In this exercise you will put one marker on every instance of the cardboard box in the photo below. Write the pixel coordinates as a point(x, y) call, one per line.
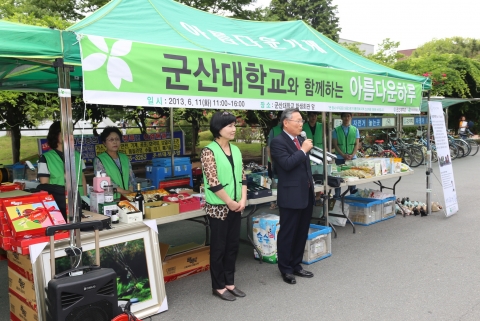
point(155, 210)
point(21, 310)
point(95, 200)
point(22, 287)
point(184, 260)
point(24, 268)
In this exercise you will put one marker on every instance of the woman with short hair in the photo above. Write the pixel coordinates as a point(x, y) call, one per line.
point(226, 197)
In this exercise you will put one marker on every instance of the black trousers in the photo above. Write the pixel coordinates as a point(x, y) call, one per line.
point(224, 245)
point(292, 237)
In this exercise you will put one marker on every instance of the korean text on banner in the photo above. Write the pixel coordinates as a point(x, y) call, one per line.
point(444, 159)
point(122, 72)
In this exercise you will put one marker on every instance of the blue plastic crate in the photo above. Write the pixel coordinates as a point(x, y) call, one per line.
point(167, 161)
point(364, 212)
point(159, 173)
point(388, 208)
point(319, 244)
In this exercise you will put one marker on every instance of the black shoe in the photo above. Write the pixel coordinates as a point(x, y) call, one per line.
point(227, 296)
point(304, 274)
point(353, 191)
point(289, 278)
point(237, 292)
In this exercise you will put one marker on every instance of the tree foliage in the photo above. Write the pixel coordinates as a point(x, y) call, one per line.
point(465, 47)
point(234, 8)
point(64, 11)
point(386, 54)
point(452, 75)
point(320, 14)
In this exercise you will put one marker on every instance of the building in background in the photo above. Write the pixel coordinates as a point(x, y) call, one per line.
point(368, 49)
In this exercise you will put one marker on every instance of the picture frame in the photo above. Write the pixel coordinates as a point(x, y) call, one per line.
point(119, 237)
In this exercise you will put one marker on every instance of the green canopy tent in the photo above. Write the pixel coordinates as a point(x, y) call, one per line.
point(130, 51)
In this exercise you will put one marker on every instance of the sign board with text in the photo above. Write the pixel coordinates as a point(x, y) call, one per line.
point(122, 72)
point(137, 147)
point(444, 158)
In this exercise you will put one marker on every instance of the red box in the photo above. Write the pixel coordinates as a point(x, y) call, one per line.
point(187, 204)
point(6, 243)
point(174, 183)
point(8, 187)
point(22, 246)
point(52, 207)
point(27, 216)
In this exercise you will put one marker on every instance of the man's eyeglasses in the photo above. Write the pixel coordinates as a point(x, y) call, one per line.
point(111, 140)
point(298, 121)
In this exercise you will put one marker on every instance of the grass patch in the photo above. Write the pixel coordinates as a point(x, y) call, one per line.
point(28, 149)
point(252, 150)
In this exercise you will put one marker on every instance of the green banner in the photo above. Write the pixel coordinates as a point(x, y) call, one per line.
point(121, 72)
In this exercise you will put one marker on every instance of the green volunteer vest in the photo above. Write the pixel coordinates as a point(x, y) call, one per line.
point(56, 167)
point(276, 131)
point(346, 143)
point(228, 178)
point(121, 178)
point(317, 138)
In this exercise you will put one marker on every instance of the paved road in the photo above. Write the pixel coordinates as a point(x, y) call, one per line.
point(412, 268)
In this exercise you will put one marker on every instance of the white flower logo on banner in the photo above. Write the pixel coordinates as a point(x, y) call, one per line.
point(117, 69)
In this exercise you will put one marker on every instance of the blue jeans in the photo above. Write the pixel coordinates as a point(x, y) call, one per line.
point(338, 190)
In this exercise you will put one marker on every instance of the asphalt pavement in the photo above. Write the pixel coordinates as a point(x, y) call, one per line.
point(405, 268)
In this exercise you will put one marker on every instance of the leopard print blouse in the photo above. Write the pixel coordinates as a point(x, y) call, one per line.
point(210, 171)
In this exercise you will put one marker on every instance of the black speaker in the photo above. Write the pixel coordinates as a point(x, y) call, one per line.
point(88, 297)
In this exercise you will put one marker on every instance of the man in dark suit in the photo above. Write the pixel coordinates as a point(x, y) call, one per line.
point(295, 194)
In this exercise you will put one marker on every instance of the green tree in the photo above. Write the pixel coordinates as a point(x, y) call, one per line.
point(386, 54)
point(235, 8)
point(68, 11)
point(320, 14)
point(465, 47)
point(19, 110)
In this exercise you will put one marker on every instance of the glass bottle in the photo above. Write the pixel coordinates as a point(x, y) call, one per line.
point(140, 200)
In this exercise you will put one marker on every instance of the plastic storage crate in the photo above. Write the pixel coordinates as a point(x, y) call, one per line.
point(388, 208)
point(364, 212)
point(167, 161)
point(319, 244)
point(159, 173)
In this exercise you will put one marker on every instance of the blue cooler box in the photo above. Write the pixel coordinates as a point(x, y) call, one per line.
point(319, 244)
point(159, 173)
point(167, 161)
point(364, 211)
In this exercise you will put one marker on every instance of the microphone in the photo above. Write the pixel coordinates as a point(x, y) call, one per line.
point(303, 134)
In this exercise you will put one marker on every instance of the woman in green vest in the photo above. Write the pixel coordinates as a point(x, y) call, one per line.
point(51, 165)
point(115, 164)
point(226, 197)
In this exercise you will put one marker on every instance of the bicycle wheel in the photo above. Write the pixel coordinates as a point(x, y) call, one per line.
point(461, 151)
point(474, 146)
point(417, 155)
point(464, 145)
point(453, 151)
point(387, 154)
point(406, 156)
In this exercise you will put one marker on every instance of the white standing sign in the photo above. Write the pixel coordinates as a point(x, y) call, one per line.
point(444, 159)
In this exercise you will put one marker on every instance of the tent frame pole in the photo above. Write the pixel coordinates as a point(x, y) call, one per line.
point(71, 186)
point(429, 163)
